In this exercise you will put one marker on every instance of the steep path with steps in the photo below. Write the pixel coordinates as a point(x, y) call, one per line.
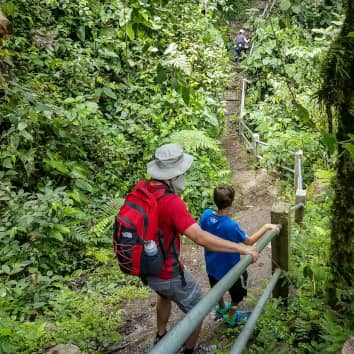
point(254, 197)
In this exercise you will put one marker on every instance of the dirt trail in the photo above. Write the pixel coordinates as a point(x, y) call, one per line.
point(255, 195)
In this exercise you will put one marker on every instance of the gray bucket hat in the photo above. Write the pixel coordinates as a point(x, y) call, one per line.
point(170, 161)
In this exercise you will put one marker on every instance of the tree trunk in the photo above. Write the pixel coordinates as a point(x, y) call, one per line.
point(330, 118)
point(342, 253)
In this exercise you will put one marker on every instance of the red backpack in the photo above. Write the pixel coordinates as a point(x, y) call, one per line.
point(135, 225)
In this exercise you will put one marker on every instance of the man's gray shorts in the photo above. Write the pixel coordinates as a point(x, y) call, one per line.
point(184, 296)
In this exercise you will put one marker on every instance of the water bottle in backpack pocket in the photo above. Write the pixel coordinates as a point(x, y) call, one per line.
point(152, 260)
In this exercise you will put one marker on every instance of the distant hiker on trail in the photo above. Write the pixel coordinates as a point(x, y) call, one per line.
point(175, 283)
point(240, 45)
point(219, 263)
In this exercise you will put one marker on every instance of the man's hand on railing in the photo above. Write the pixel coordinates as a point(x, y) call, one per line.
point(252, 251)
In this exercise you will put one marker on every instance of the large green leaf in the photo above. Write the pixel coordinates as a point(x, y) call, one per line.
point(74, 213)
point(57, 165)
point(81, 33)
point(302, 112)
point(129, 31)
point(109, 92)
point(7, 163)
point(330, 141)
point(84, 185)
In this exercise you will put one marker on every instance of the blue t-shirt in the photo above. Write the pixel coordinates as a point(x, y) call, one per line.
point(219, 263)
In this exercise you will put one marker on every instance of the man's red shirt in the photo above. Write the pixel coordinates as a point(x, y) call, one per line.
point(174, 219)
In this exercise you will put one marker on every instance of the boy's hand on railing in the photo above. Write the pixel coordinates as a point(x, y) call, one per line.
point(270, 227)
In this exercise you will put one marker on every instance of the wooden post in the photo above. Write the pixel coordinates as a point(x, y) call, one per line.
point(300, 197)
point(255, 140)
point(298, 170)
point(280, 246)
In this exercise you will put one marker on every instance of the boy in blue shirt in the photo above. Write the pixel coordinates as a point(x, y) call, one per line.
point(218, 263)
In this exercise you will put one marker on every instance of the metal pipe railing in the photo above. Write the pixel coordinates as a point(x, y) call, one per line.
point(247, 128)
point(175, 338)
point(262, 143)
point(297, 206)
point(246, 333)
point(287, 169)
point(246, 141)
point(265, 10)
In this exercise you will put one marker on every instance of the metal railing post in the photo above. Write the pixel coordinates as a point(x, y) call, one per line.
point(242, 106)
point(300, 197)
point(243, 98)
point(298, 170)
point(280, 245)
point(255, 140)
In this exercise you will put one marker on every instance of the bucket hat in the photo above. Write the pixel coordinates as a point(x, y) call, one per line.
point(170, 161)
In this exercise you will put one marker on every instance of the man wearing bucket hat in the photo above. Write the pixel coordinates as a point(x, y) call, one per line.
point(175, 283)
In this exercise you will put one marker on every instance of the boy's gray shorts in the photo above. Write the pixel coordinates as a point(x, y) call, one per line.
point(184, 296)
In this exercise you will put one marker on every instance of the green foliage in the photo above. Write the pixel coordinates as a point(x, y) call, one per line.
point(280, 105)
point(312, 14)
point(281, 108)
point(86, 311)
point(308, 325)
point(88, 91)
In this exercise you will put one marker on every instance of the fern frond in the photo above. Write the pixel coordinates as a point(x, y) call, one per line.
point(78, 234)
point(193, 140)
point(111, 208)
point(107, 213)
point(179, 61)
point(102, 226)
point(176, 59)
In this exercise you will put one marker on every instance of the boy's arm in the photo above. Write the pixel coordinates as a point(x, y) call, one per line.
point(214, 243)
point(258, 234)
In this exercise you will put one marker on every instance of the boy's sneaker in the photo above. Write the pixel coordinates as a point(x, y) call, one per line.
point(201, 349)
point(238, 317)
point(221, 312)
point(204, 349)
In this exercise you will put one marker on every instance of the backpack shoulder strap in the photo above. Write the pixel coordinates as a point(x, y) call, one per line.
point(159, 191)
